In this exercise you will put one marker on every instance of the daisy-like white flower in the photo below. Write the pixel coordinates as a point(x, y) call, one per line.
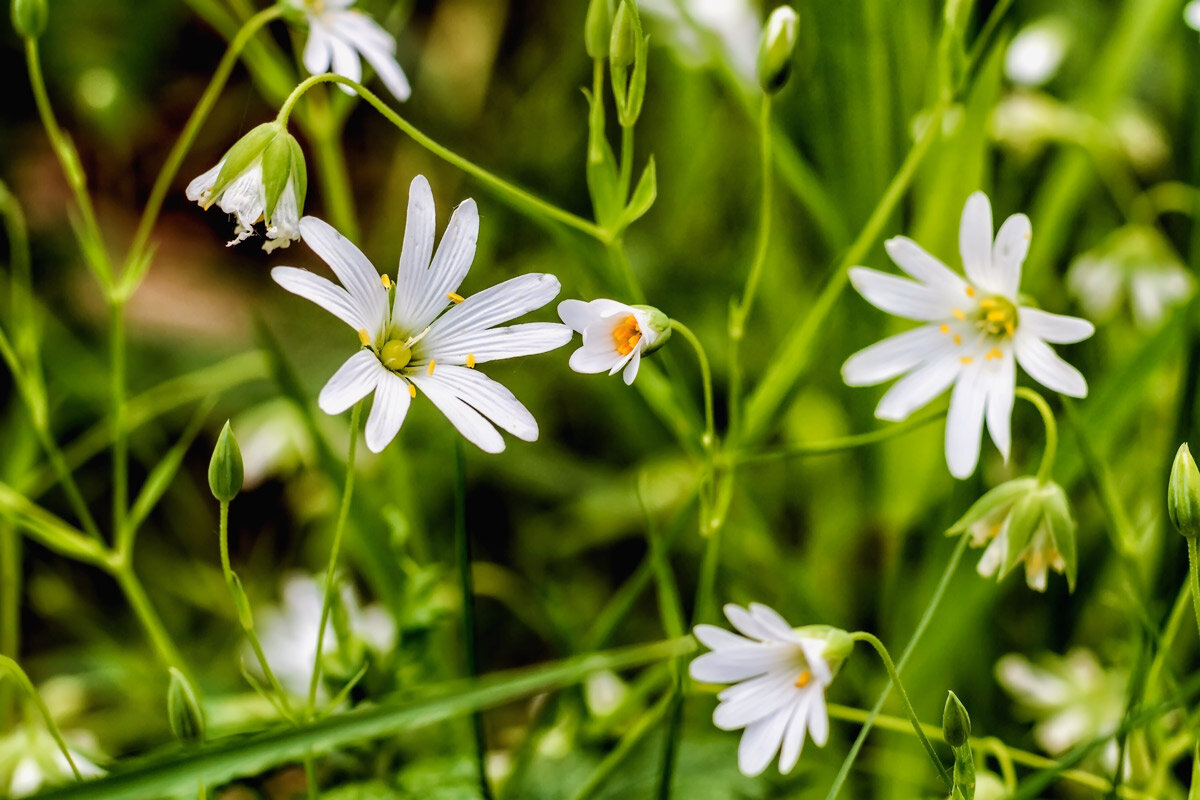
point(407, 343)
point(975, 333)
point(339, 37)
point(780, 675)
point(615, 335)
point(262, 177)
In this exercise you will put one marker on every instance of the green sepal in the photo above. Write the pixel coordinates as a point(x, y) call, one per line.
point(1026, 515)
point(184, 713)
point(241, 156)
point(602, 180)
point(991, 502)
point(1057, 512)
point(660, 323)
point(644, 195)
point(299, 173)
point(276, 169)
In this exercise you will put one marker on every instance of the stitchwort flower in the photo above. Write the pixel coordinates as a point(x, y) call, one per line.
point(976, 332)
point(338, 35)
point(407, 343)
point(780, 675)
point(615, 336)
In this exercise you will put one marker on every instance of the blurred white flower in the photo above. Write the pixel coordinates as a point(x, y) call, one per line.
point(1191, 15)
point(339, 35)
point(407, 343)
point(1133, 265)
point(735, 24)
point(273, 439)
point(288, 632)
point(780, 675)
point(1036, 52)
point(615, 336)
point(31, 760)
point(976, 333)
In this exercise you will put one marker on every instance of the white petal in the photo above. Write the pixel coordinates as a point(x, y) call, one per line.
point(913, 259)
point(1000, 394)
point(1008, 254)
point(730, 666)
point(496, 343)
point(893, 356)
point(975, 241)
point(772, 622)
point(761, 742)
point(387, 411)
point(202, 183)
point(964, 422)
point(715, 638)
point(818, 718)
point(900, 296)
point(495, 305)
point(317, 53)
point(918, 387)
point(588, 360)
point(417, 250)
point(379, 48)
point(353, 381)
point(793, 737)
point(284, 225)
point(1045, 367)
point(352, 268)
point(814, 654)
point(488, 397)
point(753, 699)
point(631, 369)
point(325, 293)
point(994, 555)
point(579, 315)
point(345, 61)
point(450, 264)
point(246, 198)
point(741, 619)
point(469, 422)
point(1054, 328)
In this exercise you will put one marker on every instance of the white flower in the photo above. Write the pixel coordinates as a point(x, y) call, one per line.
point(975, 334)
point(1134, 263)
point(780, 676)
point(31, 760)
point(735, 25)
point(407, 343)
point(1191, 15)
point(1036, 52)
point(288, 633)
point(615, 336)
point(1040, 555)
point(338, 35)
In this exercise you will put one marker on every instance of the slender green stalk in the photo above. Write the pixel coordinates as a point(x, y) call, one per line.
point(1039, 402)
point(16, 673)
point(625, 176)
point(462, 552)
point(120, 447)
point(334, 552)
point(886, 658)
point(131, 587)
point(10, 606)
point(1193, 547)
point(516, 196)
point(710, 439)
point(934, 602)
point(621, 264)
point(330, 159)
point(838, 445)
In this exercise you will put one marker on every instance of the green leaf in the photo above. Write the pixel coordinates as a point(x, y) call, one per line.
point(48, 529)
point(643, 198)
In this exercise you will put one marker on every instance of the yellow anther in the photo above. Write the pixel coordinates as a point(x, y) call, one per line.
point(959, 313)
point(804, 680)
point(994, 354)
point(470, 360)
point(944, 328)
point(386, 281)
point(626, 335)
point(966, 360)
point(364, 337)
point(1009, 328)
point(412, 390)
point(957, 339)
point(970, 291)
point(987, 302)
point(996, 316)
point(454, 297)
point(429, 371)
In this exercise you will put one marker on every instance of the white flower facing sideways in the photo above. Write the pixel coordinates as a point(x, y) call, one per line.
point(338, 35)
point(615, 335)
point(975, 333)
point(779, 676)
point(406, 342)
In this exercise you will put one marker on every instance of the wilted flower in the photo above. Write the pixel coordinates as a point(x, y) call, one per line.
point(339, 35)
point(780, 675)
point(262, 177)
point(1036, 52)
point(976, 334)
point(1133, 264)
point(407, 343)
point(615, 336)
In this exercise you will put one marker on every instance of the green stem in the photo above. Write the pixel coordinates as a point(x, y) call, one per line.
point(1039, 402)
point(1193, 546)
point(710, 438)
point(17, 674)
point(626, 174)
point(514, 195)
point(191, 128)
point(331, 166)
point(462, 551)
point(909, 649)
point(10, 606)
point(334, 552)
point(167, 652)
point(622, 265)
point(838, 445)
point(120, 448)
point(914, 719)
point(632, 740)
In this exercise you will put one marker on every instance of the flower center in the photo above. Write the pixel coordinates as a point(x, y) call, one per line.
point(997, 316)
point(804, 680)
point(626, 335)
point(396, 354)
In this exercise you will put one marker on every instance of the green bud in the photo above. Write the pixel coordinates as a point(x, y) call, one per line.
point(596, 29)
point(776, 49)
point(29, 17)
point(623, 42)
point(660, 326)
point(838, 643)
point(1183, 493)
point(183, 710)
point(956, 723)
point(225, 469)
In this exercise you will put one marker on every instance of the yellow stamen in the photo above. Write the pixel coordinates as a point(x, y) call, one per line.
point(959, 313)
point(386, 281)
point(470, 360)
point(412, 390)
point(364, 337)
point(454, 297)
point(626, 335)
point(430, 370)
point(987, 302)
point(1009, 328)
point(957, 339)
point(804, 680)
point(996, 316)
point(970, 292)
point(966, 359)
point(994, 354)
point(945, 329)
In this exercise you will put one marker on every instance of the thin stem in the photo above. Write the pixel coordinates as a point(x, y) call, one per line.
point(331, 165)
point(838, 445)
point(1039, 402)
point(1193, 546)
point(514, 195)
point(462, 551)
point(621, 263)
point(764, 222)
point(626, 174)
point(167, 652)
point(911, 647)
point(334, 552)
point(710, 438)
point(10, 606)
point(191, 128)
point(886, 658)
point(120, 449)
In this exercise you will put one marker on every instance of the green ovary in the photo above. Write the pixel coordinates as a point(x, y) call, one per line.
point(395, 355)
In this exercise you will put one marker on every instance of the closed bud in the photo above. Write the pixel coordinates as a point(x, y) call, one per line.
point(956, 723)
point(623, 43)
point(596, 29)
point(225, 469)
point(29, 17)
point(776, 49)
point(1183, 493)
point(183, 710)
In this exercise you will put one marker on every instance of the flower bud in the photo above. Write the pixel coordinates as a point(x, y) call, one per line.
point(623, 42)
point(956, 723)
point(776, 49)
point(1183, 493)
point(225, 468)
point(183, 710)
point(29, 17)
point(596, 29)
